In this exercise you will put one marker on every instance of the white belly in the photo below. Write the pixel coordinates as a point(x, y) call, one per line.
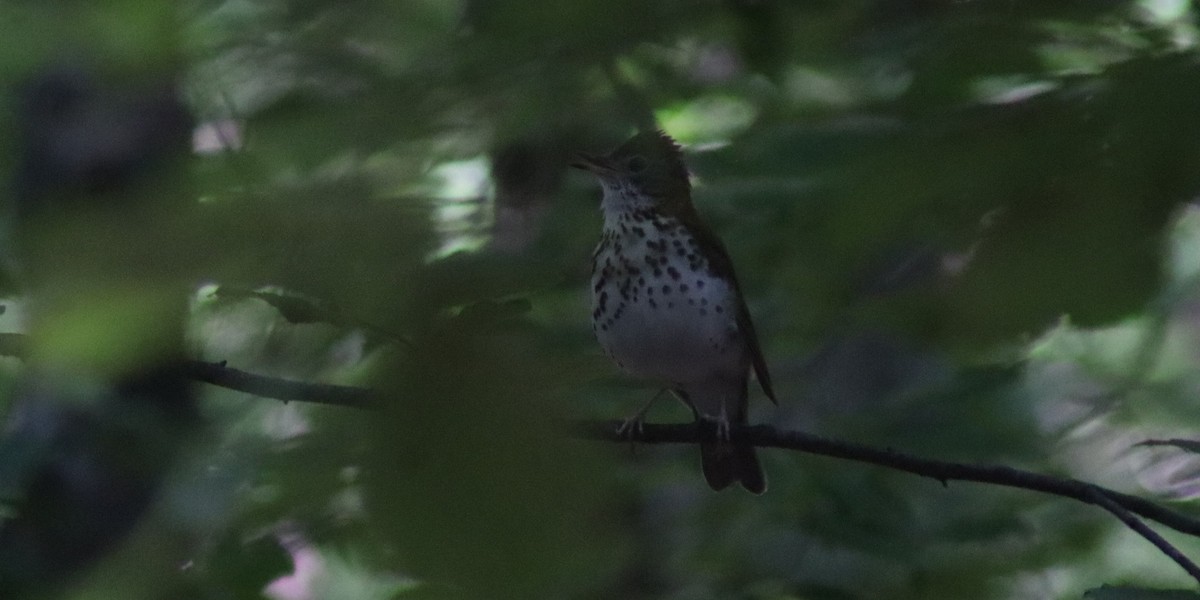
point(668, 324)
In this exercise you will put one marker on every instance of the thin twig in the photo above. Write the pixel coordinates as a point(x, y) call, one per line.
point(280, 389)
point(764, 436)
point(1123, 506)
point(221, 375)
point(1101, 499)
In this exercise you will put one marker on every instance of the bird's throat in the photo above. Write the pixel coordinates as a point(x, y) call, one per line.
point(620, 200)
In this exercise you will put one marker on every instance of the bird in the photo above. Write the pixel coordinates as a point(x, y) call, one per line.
point(666, 303)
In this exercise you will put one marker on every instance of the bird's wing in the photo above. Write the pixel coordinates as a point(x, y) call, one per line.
point(756, 355)
point(722, 265)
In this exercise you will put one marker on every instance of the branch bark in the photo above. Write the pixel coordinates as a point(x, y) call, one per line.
point(764, 436)
point(220, 375)
point(1101, 499)
point(1121, 505)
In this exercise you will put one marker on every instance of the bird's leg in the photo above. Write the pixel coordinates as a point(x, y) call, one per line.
point(723, 425)
point(634, 423)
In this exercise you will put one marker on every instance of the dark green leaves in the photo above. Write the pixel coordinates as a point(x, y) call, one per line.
point(244, 567)
point(1136, 593)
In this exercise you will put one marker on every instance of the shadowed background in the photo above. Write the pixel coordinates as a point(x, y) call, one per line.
point(963, 229)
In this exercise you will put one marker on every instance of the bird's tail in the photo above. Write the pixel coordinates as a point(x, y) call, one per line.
point(725, 461)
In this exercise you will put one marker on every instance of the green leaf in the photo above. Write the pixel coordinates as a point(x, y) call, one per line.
point(1192, 446)
point(471, 478)
point(292, 307)
point(1107, 592)
point(245, 567)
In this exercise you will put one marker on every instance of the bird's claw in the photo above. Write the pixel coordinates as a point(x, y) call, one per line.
point(723, 430)
point(723, 433)
point(632, 427)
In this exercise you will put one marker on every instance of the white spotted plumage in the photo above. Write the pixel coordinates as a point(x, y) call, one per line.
point(659, 312)
point(666, 305)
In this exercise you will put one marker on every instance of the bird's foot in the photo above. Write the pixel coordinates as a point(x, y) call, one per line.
point(634, 424)
point(632, 427)
point(723, 426)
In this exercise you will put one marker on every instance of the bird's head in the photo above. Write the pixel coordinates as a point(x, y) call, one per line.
point(645, 171)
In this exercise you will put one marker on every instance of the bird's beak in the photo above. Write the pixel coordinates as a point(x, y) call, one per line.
point(599, 165)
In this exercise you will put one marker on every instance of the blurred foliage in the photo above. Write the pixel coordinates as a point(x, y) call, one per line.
point(963, 228)
point(1130, 593)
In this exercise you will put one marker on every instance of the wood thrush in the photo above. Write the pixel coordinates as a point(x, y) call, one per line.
point(666, 305)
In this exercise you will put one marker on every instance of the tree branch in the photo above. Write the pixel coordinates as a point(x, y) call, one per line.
point(1123, 506)
point(764, 436)
point(279, 389)
point(221, 375)
point(1101, 499)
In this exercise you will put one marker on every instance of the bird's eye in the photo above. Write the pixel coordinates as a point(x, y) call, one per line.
point(636, 164)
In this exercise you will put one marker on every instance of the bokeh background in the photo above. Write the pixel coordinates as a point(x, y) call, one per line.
point(964, 228)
